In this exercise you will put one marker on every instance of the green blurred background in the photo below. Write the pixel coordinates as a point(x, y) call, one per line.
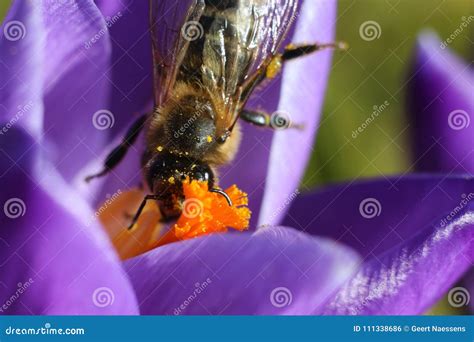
point(367, 75)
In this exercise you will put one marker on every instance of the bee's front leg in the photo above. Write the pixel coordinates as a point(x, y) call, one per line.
point(118, 153)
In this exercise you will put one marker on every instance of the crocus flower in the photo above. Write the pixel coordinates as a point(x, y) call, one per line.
point(441, 106)
point(369, 247)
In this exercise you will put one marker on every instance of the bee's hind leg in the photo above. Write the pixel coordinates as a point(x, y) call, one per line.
point(278, 120)
point(297, 50)
point(275, 63)
point(118, 153)
point(293, 51)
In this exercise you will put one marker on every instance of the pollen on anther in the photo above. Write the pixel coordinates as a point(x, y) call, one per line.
point(216, 215)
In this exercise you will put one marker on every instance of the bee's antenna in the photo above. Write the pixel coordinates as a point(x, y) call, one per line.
point(222, 193)
point(140, 209)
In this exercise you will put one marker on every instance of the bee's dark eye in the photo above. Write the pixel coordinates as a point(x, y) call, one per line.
point(202, 173)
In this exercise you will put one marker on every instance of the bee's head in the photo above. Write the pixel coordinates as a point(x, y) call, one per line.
point(166, 172)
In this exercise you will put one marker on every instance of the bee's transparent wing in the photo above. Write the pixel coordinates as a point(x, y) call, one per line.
point(167, 18)
point(274, 19)
point(241, 39)
point(236, 38)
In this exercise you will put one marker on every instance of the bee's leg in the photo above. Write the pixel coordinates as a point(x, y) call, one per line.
point(262, 119)
point(293, 51)
point(297, 50)
point(275, 63)
point(140, 209)
point(117, 154)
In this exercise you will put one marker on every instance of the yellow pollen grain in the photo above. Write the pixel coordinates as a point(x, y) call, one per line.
point(159, 148)
point(209, 138)
point(171, 180)
point(274, 67)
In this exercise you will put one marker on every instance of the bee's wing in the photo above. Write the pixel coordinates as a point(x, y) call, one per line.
point(234, 39)
point(168, 44)
point(274, 18)
point(241, 40)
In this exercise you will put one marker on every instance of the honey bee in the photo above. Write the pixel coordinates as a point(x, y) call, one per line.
point(204, 74)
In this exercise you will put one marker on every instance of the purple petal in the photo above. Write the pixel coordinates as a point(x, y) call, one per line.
point(130, 73)
point(441, 104)
point(60, 71)
point(409, 279)
point(302, 95)
point(415, 234)
point(21, 80)
point(272, 271)
point(76, 56)
point(55, 259)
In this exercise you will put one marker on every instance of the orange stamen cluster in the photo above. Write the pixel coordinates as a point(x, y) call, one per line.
point(205, 212)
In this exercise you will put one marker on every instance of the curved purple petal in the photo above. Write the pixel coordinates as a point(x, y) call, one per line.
point(21, 79)
point(409, 279)
point(302, 95)
point(54, 257)
point(130, 72)
point(76, 56)
point(62, 56)
point(441, 105)
point(273, 271)
point(410, 231)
